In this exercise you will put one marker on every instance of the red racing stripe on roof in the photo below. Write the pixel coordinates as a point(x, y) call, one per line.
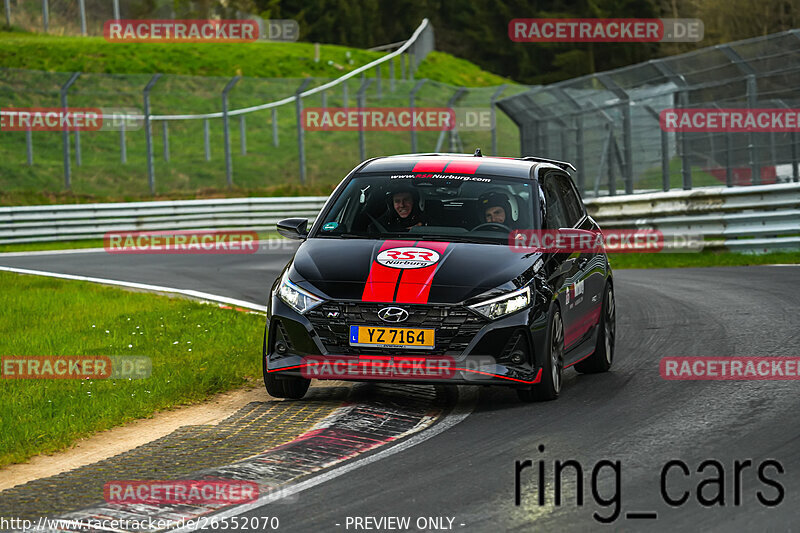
point(462, 167)
point(430, 165)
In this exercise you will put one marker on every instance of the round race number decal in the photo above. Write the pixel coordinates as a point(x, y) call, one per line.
point(408, 257)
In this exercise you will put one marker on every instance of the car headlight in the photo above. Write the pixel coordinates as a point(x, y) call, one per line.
point(295, 297)
point(504, 305)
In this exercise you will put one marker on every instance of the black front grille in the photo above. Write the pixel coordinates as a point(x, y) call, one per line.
point(455, 326)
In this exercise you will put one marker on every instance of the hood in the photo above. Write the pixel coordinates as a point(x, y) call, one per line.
point(405, 271)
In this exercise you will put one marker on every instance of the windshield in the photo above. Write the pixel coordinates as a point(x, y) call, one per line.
point(436, 207)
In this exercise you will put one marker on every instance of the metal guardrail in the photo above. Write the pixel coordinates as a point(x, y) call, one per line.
point(759, 218)
point(91, 221)
point(752, 219)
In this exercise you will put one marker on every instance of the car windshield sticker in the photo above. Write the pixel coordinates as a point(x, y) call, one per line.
point(428, 175)
point(329, 226)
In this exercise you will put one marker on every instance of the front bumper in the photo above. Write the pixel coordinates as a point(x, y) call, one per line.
point(469, 349)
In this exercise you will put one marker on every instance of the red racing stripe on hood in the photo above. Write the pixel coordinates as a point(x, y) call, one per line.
point(382, 280)
point(415, 284)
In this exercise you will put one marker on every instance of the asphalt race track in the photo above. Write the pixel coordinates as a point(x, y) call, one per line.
point(630, 415)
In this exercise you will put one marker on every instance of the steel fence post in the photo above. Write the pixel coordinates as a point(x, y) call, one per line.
point(148, 134)
point(627, 127)
point(207, 139)
point(686, 164)
point(226, 130)
point(242, 136)
point(165, 140)
point(45, 15)
point(275, 127)
point(411, 101)
point(682, 102)
point(8, 11)
point(123, 150)
point(453, 131)
point(301, 147)
point(116, 10)
point(82, 9)
point(29, 146)
point(560, 93)
point(391, 74)
point(78, 160)
point(345, 96)
point(493, 112)
point(664, 149)
point(752, 102)
point(65, 131)
point(361, 97)
point(378, 81)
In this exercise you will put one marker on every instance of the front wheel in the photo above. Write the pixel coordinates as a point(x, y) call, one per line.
point(603, 356)
point(550, 386)
point(292, 387)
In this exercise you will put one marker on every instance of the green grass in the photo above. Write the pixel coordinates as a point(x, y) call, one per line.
point(272, 71)
point(702, 259)
point(196, 350)
point(257, 60)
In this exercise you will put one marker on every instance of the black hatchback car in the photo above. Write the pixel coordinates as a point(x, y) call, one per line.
point(410, 274)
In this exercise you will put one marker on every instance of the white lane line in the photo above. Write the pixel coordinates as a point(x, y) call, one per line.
point(468, 397)
point(53, 252)
point(143, 286)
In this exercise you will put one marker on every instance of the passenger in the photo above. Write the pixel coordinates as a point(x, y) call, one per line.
point(495, 208)
point(403, 212)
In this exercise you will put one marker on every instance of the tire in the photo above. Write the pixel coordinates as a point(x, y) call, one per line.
point(550, 386)
point(603, 356)
point(282, 386)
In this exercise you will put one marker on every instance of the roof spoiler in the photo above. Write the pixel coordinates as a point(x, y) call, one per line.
point(563, 165)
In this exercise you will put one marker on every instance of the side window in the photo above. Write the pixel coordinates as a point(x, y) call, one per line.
point(574, 210)
point(556, 216)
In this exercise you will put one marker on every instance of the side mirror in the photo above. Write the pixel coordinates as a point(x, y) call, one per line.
point(293, 228)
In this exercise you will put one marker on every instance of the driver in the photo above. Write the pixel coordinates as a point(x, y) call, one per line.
point(495, 208)
point(404, 211)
